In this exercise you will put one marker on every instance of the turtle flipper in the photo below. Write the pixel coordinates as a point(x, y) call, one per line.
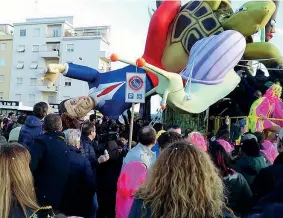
point(249, 18)
point(214, 5)
point(264, 50)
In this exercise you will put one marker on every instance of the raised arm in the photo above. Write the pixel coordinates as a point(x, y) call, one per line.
point(73, 71)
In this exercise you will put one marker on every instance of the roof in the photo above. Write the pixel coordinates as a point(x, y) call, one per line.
point(6, 24)
point(43, 22)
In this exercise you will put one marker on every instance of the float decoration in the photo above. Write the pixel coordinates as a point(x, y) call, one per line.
point(173, 33)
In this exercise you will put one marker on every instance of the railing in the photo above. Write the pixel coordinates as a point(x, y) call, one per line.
point(52, 35)
point(217, 121)
point(6, 30)
point(84, 32)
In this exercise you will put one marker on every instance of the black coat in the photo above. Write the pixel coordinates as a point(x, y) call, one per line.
point(107, 177)
point(267, 179)
point(271, 205)
point(50, 166)
point(88, 151)
point(78, 195)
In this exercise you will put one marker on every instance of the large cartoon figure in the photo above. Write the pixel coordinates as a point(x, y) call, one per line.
point(173, 31)
point(265, 108)
point(209, 72)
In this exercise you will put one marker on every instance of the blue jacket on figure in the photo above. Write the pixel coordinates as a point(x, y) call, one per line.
point(108, 89)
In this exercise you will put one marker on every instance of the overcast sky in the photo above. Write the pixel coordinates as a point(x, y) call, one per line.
point(129, 19)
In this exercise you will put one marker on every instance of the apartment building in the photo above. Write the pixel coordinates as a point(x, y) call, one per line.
point(41, 41)
point(6, 48)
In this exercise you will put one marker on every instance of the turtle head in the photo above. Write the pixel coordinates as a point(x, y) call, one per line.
point(251, 17)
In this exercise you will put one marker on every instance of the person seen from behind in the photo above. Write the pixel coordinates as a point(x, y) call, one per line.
point(50, 163)
point(175, 128)
point(197, 139)
point(181, 170)
point(17, 196)
point(270, 177)
point(251, 160)
point(238, 191)
point(167, 138)
point(33, 124)
point(81, 181)
point(159, 128)
point(142, 151)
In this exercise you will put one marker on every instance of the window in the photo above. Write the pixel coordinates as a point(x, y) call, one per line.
point(52, 99)
point(19, 80)
point(23, 32)
point(68, 82)
point(36, 32)
point(21, 48)
point(1, 95)
point(56, 33)
point(33, 81)
point(18, 97)
point(3, 47)
point(34, 65)
point(66, 97)
point(35, 48)
point(20, 65)
point(1, 78)
point(31, 98)
point(2, 62)
point(70, 47)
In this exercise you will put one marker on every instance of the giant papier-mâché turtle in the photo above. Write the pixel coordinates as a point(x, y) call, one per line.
point(198, 19)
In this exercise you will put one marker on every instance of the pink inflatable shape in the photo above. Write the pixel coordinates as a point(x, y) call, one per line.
point(269, 151)
point(226, 145)
point(132, 176)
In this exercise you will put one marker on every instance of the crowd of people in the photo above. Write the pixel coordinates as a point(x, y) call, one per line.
point(54, 166)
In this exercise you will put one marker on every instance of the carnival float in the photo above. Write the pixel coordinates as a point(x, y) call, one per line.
point(195, 55)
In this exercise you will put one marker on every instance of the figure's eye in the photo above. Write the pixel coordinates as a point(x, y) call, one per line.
point(241, 9)
point(273, 23)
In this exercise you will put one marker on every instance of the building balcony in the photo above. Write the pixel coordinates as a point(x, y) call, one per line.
point(84, 32)
point(49, 38)
point(50, 54)
point(45, 88)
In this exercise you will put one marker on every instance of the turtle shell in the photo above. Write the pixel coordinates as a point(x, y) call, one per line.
point(195, 21)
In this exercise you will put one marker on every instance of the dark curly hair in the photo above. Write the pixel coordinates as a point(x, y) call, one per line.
point(167, 138)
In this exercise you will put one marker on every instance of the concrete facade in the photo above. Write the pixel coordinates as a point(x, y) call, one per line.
point(6, 48)
point(39, 42)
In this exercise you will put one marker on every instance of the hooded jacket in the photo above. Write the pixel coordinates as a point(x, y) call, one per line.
point(30, 130)
point(249, 167)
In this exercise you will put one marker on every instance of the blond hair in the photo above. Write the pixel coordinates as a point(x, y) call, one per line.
point(183, 183)
point(16, 179)
point(73, 137)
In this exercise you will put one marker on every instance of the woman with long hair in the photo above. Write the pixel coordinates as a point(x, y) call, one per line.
point(17, 196)
point(183, 183)
point(238, 193)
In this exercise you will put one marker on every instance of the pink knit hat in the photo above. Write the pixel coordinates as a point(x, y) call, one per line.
point(226, 145)
point(197, 139)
